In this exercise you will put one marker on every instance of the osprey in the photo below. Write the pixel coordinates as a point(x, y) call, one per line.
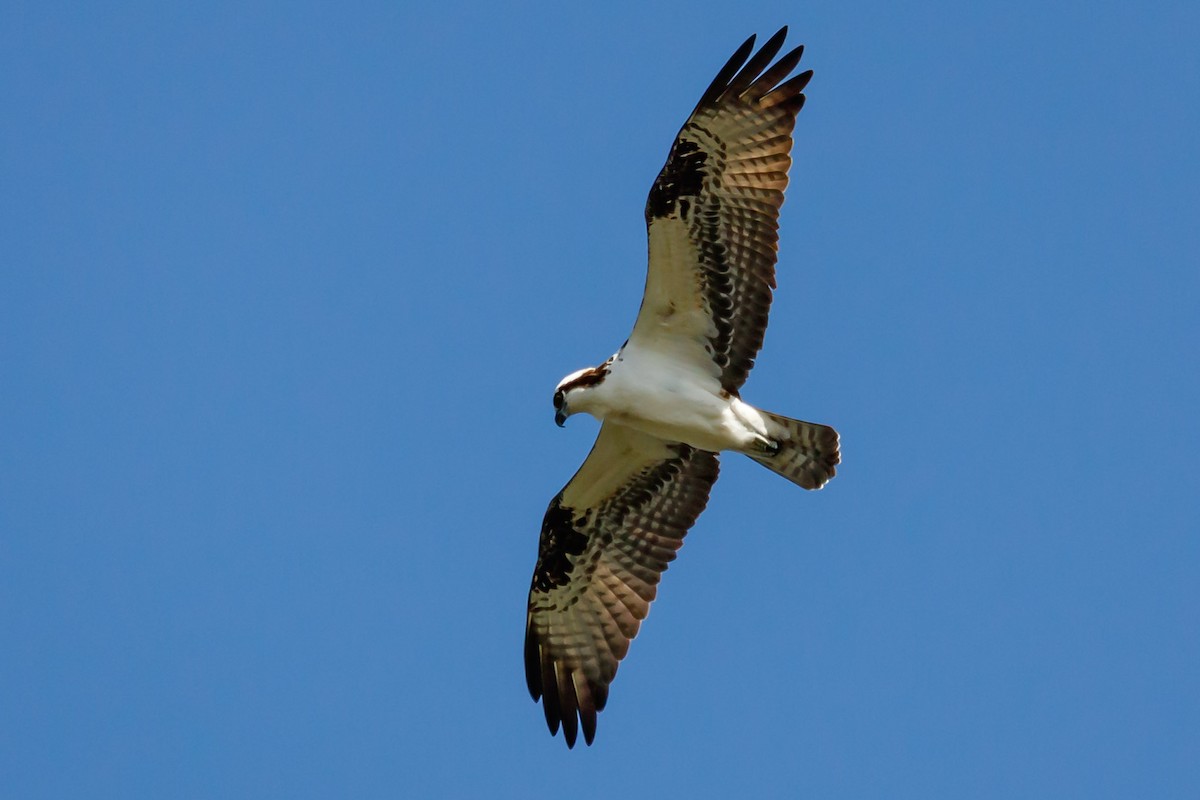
point(668, 399)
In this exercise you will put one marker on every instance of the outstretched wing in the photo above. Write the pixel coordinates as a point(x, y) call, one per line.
point(606, 540)
point(713, 217)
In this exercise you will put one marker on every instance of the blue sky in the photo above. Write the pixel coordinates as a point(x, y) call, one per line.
point(285, 293)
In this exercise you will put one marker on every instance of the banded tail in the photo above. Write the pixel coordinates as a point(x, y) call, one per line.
point(803, 452)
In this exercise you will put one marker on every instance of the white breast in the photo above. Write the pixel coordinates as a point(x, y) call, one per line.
point(660, 396)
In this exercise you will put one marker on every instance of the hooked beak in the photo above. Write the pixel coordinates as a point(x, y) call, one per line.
point(560, 416)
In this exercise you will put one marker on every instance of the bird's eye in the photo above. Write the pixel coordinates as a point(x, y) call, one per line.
point(558, 400)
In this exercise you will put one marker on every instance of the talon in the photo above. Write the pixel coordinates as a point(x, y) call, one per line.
point(769, 447)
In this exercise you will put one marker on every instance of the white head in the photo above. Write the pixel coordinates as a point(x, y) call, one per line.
point(572, 387)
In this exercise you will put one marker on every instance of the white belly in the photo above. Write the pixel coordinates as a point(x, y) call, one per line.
point(660, 397)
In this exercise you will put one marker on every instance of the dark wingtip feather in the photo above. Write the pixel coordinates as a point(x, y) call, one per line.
point(570, 707)
point(758, 63)
point(550, 704)
point(721, 82)
point(570, 730)
point(533, 666)
point(790, 91)
point(588, 718)
point(751, 75)
point(587, 710)
point(599, 695)
point(777, 72)
point(798, 83)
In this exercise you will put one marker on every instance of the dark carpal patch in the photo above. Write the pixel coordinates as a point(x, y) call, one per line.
point(560, 538)
point(682, 176)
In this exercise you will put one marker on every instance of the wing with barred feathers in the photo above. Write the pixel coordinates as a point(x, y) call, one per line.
point(713, 216)
point(606, 540)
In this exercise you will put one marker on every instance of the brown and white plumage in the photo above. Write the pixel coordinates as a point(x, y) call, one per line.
point(713, 213)
point(669, 397)
point(606, 539)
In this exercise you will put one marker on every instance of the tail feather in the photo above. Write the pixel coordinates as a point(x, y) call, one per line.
point(803, 452)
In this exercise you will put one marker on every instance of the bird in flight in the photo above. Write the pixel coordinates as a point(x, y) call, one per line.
point(669, 399)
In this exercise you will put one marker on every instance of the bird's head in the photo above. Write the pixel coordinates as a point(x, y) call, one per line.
point(571, 389)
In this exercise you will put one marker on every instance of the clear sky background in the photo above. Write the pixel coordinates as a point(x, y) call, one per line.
point(285, 294)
